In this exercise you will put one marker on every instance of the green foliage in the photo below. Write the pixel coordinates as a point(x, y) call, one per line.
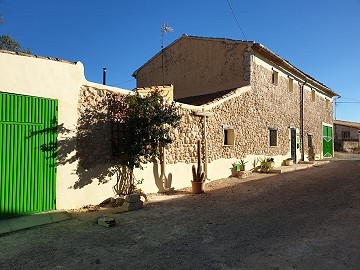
point(242, 162)
point(8, 43)
point(198, 174)
point(266, 163)
point(146, 123)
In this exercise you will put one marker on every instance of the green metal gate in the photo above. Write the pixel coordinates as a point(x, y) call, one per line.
point(28, 139)
point(327, 141)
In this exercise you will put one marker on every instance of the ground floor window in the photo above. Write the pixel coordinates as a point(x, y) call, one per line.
point(229, 135)
point(273, 135)
point(310, 140)
point(346, 135)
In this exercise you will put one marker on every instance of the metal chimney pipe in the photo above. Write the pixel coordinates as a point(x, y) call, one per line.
point(104, 76)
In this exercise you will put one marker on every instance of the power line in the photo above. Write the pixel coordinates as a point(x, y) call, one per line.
point(238, 24)
point(151, 71)
point(350, 98)
point(122, 82)
point(348, 102)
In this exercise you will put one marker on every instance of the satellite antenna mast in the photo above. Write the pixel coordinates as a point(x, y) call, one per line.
point(165, 28)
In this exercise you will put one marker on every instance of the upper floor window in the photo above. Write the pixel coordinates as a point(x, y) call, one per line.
point(313, 95)
point(291, 85)
point(326, 103)
point(275, 77)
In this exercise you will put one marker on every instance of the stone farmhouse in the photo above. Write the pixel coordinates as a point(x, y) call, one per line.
point(346, 135)
point(238, 98)
point(261, 104)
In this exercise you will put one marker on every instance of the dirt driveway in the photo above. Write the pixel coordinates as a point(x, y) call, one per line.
point(308, 219)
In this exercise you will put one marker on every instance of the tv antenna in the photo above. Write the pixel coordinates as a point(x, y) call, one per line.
point(165, 29)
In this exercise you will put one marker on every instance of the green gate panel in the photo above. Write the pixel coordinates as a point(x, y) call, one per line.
point(28, 139)
point(327, 141)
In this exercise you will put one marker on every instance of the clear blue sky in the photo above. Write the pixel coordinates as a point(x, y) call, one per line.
point(321, 37)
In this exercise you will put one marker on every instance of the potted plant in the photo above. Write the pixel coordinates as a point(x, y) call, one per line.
point(288, 162)
point(266, 163)
point(242, 164)
point(235, 167)
point(198, 175)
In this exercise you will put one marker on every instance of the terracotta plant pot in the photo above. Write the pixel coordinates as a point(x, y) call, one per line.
point(197, 187)
point(288, 162)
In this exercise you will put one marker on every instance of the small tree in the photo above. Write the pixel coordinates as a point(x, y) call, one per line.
point(8, 43)
point(145, 123)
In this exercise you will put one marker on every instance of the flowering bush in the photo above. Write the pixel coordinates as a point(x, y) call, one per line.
point(146, 122)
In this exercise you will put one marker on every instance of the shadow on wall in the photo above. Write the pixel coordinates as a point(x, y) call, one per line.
point(91, 145)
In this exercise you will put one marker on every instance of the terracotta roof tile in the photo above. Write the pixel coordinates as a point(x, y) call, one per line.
point(37, 56)
point(205, 99)
point(347, 123)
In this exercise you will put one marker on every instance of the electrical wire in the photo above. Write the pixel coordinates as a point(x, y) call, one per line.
point(350, 99)
point(238, 24)
point(151, 71)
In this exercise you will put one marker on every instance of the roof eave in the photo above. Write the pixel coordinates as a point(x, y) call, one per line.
point(282, 62)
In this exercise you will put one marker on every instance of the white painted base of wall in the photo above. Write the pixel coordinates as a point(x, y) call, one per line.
point(178, 176)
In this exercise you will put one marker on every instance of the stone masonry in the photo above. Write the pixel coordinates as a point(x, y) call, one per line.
point(265, 105)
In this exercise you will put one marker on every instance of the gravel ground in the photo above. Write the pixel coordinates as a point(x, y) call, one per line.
point(306, 219)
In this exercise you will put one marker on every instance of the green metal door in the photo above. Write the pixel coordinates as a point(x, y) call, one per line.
point(327, 141)
point(28, 139)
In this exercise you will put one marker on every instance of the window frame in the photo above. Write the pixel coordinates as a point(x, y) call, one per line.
point(275, 77)
point(272, 130)
point(345, 135)
point(228, 135)
point(313, 95)
point(291, 85)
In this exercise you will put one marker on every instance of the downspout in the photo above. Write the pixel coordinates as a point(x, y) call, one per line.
point(302, 118)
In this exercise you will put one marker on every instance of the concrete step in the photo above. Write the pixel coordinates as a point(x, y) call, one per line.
point(298, 166)
point(27, 221)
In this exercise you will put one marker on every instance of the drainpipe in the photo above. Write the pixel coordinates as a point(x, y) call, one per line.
point(302, 118)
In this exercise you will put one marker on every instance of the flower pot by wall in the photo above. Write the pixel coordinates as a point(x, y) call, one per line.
point(197, 187)
point(288, 162)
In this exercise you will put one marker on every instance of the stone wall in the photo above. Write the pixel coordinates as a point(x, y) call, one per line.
point(315, 115)
point(252, 114)
point(94, 131)
point(266, 106)
point(197, 66)
point(93, 142)
point(183, 149)
point(349, 145)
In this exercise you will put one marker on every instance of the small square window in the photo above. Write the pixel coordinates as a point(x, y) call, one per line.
point(313, 95)
point(346, 135)
point(229, 136)
point(291, 85)
point(273, 136)
point(275, 77)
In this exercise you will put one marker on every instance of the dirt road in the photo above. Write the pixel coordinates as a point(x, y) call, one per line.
point(308, 219)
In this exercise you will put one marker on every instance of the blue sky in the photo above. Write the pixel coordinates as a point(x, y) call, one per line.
point(321, 37)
